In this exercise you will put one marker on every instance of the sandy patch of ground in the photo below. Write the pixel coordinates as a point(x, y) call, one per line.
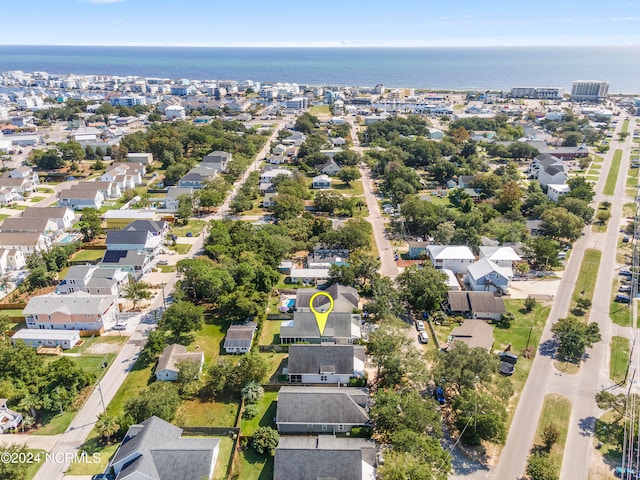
point(522, 289)
point(103, 348)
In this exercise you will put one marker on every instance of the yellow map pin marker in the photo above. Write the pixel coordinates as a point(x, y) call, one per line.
point(321, 317)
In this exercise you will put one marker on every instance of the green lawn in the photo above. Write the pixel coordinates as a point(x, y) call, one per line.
point(353, 189)
point(92, 446)
point(601, 227)
point(194, 226)
point(35, 466)
point(136, 380)
point(252, 466)
point(181, 248)
point(612, 176)
point(224, 457)
point(625, 126)
point(45, 190)
point(619, 358)
point(620, 314)
point(267, 411)
point(320, 110)
point(270, 332)
point(209, 339)
point(167, 268)
point(199, 413)
point(556, 410)
point(54, 424)
point(4, 215)
point(35, 199)
point(275, 361)
point(88, 255)
point(587, 277)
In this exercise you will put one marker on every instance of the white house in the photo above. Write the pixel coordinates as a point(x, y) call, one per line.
point(62, 216)
point(175, 111)
point(484, 275)
point(549, 169)
point(35, 338)
point(217, 160)
point(8, 418)
point(239, 337)
point(79, 199)
point(267, 176)
point(8, 195)
point(330, 167)
point(11, 259)
point(168, 363)
point(456, 258)
point(325, 363)
point(555, 192)
point(144, 158)
point(321, 182)
point(93, 280)
point(503, 256)
point(173, 194)
point(25, 242)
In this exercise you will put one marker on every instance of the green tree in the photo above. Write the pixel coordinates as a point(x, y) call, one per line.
point(580, 188)
point(160, 399)
point(529, 304)
point(463, 367)
point(329, 201)
point(188, 377)
point(287, 206)
point(306, 123)
point(545, 251)
point(559, 223)
point(349, 174)
point(574, 337)
point(480, 416)
point(10, 470)
point(354, 234)
point(393, 411)
point(252, 368)
point(550, 435)
point(386, 346)
point(385, 302)
point(423, 288)
point(541, 467)
point(90, 224)
point(265, 441)
point(107, 425)
point(400, 465)
point(182, 318)
point(185, 208)
point(506, 319)
point(137, 292)
point(252, 392)
point(578, 207)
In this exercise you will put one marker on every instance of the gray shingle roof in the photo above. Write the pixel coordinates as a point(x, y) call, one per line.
point(73, 303)
point(20, 224)
point(322, 457)
point(44, 212)
point(309, 358)
point(303, 325)
point(475, 302)
point(322, 405)
point(152, 226)
point(173, 354)
point(156, 450)
point(122, 237)
point(240, 335)
point(345, 298)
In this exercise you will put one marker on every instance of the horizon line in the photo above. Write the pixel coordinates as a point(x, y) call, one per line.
point(316, 45)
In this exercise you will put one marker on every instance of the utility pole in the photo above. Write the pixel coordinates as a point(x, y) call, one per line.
point(104, 409)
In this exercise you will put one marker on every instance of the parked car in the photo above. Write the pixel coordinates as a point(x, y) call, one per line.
point(189, 234)
point(423, 337)
point(625, 239)
point(120, 326)
point(620, 471)
point(438, 394)
point(163, 262)
point(624, 288)
point(507, 363)
point(420, 325)
point(622, 298)
point(626, 272)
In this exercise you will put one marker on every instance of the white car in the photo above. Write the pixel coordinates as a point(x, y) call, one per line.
point(120, 326)
point(420, 325)
point(423, 337)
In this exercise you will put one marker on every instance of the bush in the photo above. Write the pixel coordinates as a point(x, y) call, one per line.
point(529, 304)
point(250, 411)
point(540, 467)
point(265, 440)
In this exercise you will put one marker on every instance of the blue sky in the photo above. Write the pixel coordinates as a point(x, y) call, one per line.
point(320, 23)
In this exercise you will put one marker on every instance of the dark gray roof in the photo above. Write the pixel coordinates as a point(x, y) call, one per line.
point(475, 333)
point(475, 302)
point(322, 457)
point(345, 299)
point(304, 326)
point(310, 358)
point(154, 449)
point(545, 159)
point(152, 226)
point(322, 405)
point(124, 257)
point(126, 237)
point(20, 224)
point(553, 169)
point(46, 212)
point(240, 335)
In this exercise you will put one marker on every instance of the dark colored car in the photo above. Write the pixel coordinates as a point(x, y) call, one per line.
point(623, 299)
point(507, 363)
point(438, 394)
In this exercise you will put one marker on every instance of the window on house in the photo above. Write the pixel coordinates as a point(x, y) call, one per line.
point(324, 427)
point(323, 378)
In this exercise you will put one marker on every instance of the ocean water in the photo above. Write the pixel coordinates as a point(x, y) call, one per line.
point(455, 68)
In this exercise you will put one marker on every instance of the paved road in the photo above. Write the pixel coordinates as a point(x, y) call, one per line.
point(593, 375)
point(82, 424)
point(388, 265)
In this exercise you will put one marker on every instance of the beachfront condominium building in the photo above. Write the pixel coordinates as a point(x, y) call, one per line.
point(541, 93)
point(589, 90)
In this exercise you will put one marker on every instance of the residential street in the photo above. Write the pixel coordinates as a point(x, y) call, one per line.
point(544, 378)
point(83, 423)
point(388, 265)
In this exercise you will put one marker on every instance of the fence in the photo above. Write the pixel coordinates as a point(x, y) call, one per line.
point(213, 431)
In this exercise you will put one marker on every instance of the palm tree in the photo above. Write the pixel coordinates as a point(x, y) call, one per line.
point(32, 403)
point(252, 392)
point(27, 422)
point(107, 425)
